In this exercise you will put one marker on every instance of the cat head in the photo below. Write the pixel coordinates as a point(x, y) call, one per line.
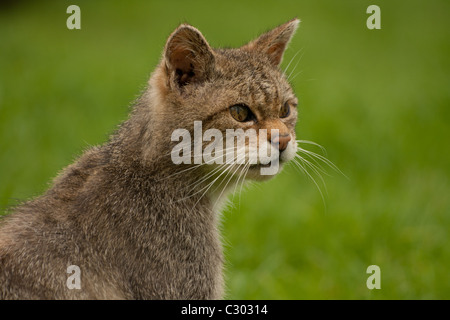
point(241, 89)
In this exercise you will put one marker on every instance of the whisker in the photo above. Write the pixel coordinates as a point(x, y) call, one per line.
point(324, 160)
point(292, 59)
point(295, 75)
point(212, 171)
point(316, 163)
point(311, 166)
point(198, 191)
point(211, 184)
point(196, 166)
point(206, 177)
point(241, 176)
point(303, 169)
point(226, 184)
point(313, 143)
point(181, 171)
point(295, 67)
point(210, 174)
point(243, 181)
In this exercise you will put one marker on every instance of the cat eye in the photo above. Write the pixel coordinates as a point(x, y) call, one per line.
point(285, 110)
point(241, 113)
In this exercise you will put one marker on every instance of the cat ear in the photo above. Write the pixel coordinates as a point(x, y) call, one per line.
point(188, 56)
point(274, 42)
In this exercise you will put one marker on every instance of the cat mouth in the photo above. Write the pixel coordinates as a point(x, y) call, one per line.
point(263, 171)
point(270, 164)
point(261, 165)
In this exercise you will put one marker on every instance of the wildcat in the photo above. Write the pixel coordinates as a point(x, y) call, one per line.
point(137, 225)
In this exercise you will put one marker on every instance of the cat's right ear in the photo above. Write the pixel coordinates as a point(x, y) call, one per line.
point(188, 56)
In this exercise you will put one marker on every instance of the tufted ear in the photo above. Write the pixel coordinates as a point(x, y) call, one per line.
point(188, 56)
point(274, 42)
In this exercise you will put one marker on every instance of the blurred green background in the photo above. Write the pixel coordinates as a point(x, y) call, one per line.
point(377, 100)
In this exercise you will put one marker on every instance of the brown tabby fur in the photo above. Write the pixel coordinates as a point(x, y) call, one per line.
point(116, 211)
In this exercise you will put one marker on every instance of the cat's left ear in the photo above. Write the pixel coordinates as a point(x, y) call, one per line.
point(188, 56)
point(274, 42)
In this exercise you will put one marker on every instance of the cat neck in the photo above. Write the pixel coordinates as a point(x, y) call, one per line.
point(141, 146)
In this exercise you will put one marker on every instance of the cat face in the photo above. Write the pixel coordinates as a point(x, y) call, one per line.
point(238, 94)
point(260, 100)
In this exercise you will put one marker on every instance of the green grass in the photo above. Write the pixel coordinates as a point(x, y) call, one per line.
point(378, 100)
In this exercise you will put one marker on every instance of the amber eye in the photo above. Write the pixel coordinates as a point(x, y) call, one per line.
point(241, 113)
point(285, 110)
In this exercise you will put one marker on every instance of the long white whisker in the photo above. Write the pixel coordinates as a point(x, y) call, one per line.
point(211, 173)
point(292, 59)
point(211, 184)
point(181, 171)
point(206, 177)
point(196, 166)
point(325, 160)
point(295, 76)
point(313, 180)
point(237, 181)
point(312, 167)
point(295, 67)
point(226, 184)
point(243, 181)
point(313, 143)
point(195, 184)
point(316, 163)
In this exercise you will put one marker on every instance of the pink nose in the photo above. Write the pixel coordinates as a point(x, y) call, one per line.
point(282, 141)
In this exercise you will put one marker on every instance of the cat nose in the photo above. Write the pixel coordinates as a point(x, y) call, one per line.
point(282, 141)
